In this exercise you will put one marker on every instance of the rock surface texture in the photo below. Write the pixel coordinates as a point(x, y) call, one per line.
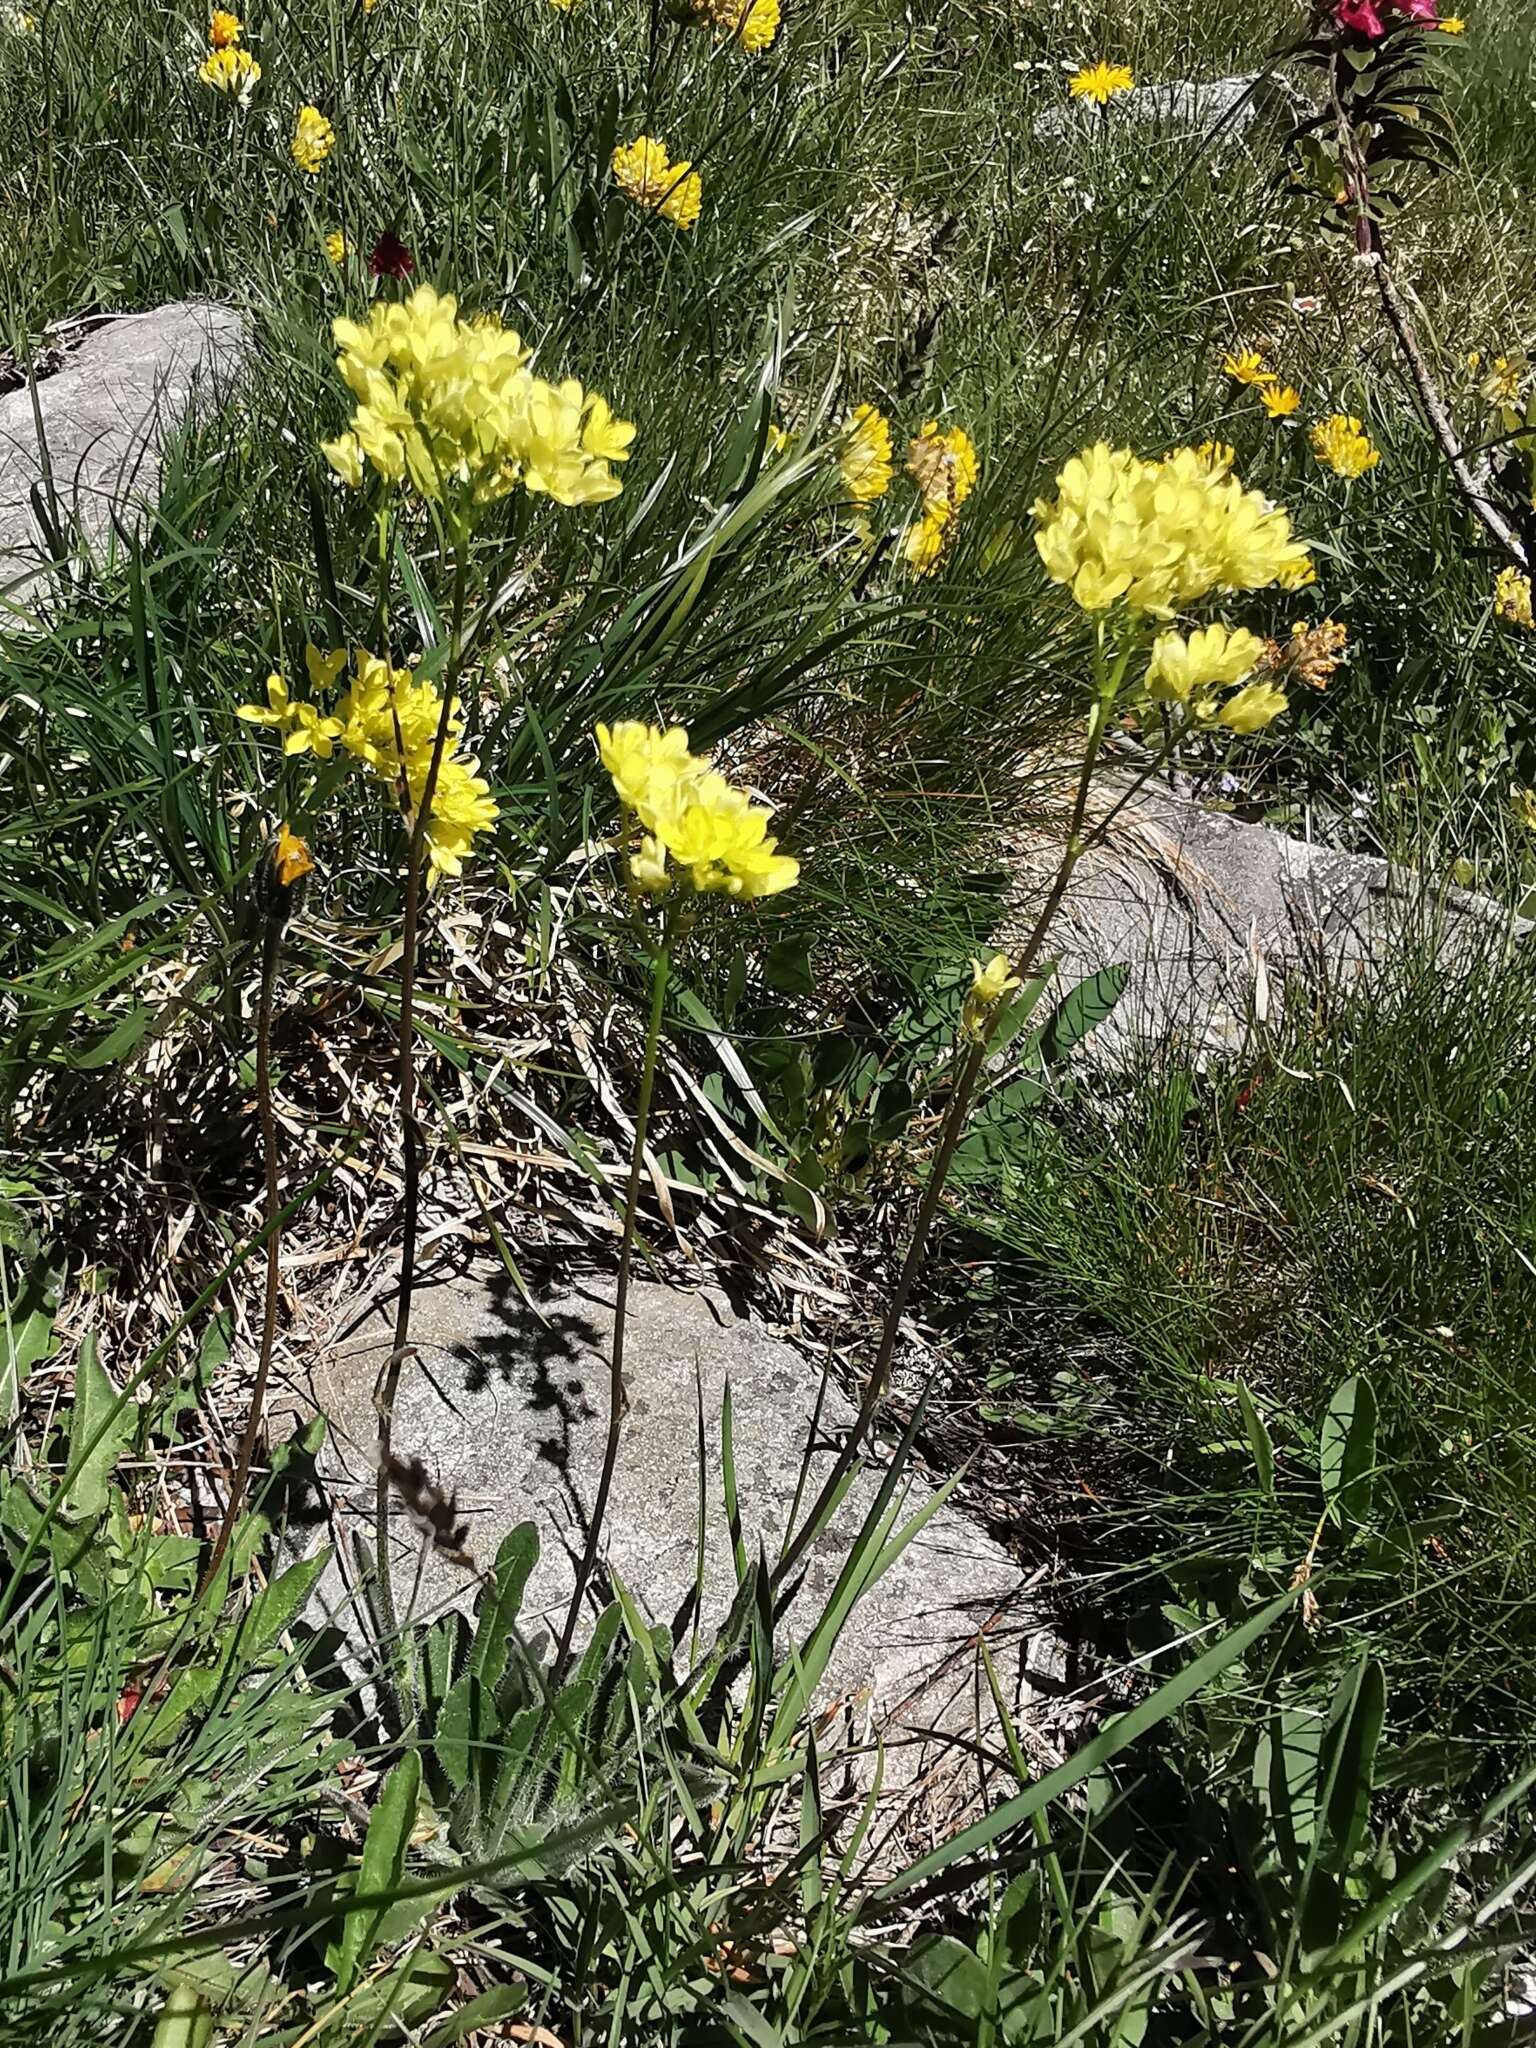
point(1216, 919)
point(508, 1407)
point(1187, 107)
point(106, 415)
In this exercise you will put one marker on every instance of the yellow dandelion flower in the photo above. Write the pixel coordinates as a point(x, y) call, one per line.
point(646, 174)
point(1279, 400)
point(1100, 82)
point(313, 140)
point(1247, 366)
point(864, 460)
point(232, 72)
point(1342, 444)
point(224, 30)
point(1451, 25)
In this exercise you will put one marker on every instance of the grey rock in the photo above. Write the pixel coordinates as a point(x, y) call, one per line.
point(508, 1407)
point(106, 415)
point(1178, 107)
point(1216, 920)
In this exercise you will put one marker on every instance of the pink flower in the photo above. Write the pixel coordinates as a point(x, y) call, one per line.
point(1359, 15)
point(1416, 10)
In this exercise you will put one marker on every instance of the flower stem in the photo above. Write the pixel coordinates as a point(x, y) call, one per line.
point(410, 1129)
point(271, 952)
point(958, 1110)
point(661, 962)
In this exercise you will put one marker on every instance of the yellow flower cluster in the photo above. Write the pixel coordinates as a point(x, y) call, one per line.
point(1190, 670)
point(752, 23)
point(224, 29)
point(646, 174)
point(452, 406)
point(989, 985)
point(1343, 444)
point(336, 246)
point(387, 719)
point(1161, 534)
point(691, 816)
point(313, 140)
point(864, 458)
point(231, 71)
point(943, 465)
point(1512, 599)
point(1100, 82)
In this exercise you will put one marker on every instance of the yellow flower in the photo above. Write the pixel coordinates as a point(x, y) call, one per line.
point(1251, 708)
point(369, 6)
point(1502, 384)
point(864, 460)
point(925, 541)
point(232, 72)
point(943, 466)
point(1160, 534)
point(989, 985)
point(1181, 669)
point(336, 246)
point(1312, 653)
point(462, 805)
point(1100, 82)
point(1342, 443)
point(1523, 804)
point(323, 669)
point(17, 21)
point(451, 407)
point(1451, 25)
point(290, 858)
point(1220, 455)
point(313, 140)
point(1279, 400)
point(1512, 598)
point(753, 23)
point(779, 439)
point(647, 175)
point(304, 730)
point(1247, 366)
point(562, 6)
point(691, 816)
point(224, 30)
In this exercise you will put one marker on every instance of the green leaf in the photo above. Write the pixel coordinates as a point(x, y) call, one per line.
point(787, 967)
point(1347, 1448)
point(947, 1970)
point(381, 1869)
point(1080, 1012)
point(28, 1332)
point(100, 1431)
point(1349, 1750)
point(1259, 1440)
point(498, 1612)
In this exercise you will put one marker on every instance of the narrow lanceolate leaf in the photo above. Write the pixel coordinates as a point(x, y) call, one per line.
point(1347, 1448)
point(99, 1433)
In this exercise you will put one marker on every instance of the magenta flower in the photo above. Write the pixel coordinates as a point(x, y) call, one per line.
point(1360, 16)
point(390, 257)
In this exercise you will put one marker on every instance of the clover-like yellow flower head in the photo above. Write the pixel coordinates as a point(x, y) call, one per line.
point(864, 459)
point(224, 29)
point(313, 140)
point(645, 173)
point(232, 72)
point(1343, 445)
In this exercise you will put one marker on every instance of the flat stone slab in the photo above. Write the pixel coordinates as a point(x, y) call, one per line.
point(1216, 919)
point(1192, 107)
point(508, 1407)
point(106, 415)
